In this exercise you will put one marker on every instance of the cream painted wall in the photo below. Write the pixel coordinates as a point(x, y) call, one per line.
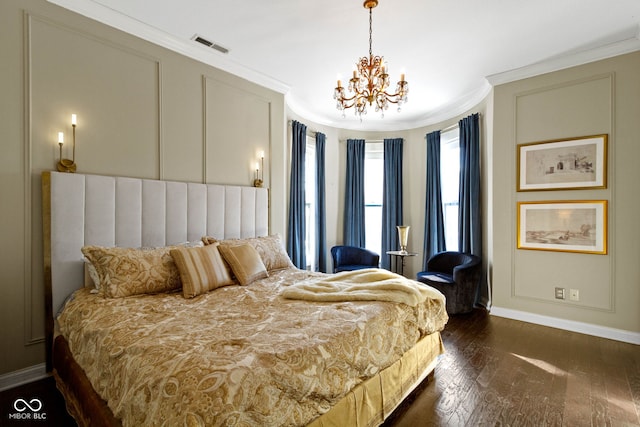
point(600, 97)
point(143, 111)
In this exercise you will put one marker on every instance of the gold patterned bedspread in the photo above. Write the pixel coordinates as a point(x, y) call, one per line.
point(239, 355)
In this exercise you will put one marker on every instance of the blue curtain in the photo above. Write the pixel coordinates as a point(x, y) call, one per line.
point(296, 225)
point(470, 203)
point(391, 198)
point(434, 241)
point(354, 231)
point(469, 223)
point(321, 210)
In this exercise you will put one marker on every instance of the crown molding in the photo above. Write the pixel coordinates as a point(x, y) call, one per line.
point(453, 109)
point(561, 62)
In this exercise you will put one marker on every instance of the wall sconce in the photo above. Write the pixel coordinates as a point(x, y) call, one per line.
point(259, 175)
point(66, 165)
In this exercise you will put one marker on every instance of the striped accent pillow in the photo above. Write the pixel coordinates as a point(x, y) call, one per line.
point(202, 269)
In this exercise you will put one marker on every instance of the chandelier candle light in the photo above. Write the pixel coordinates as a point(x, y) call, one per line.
point(370, 82)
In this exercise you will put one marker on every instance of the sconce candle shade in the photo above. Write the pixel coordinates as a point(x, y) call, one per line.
point(403, 237)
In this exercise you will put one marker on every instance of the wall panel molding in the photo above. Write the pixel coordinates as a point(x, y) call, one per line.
point(37, 156)
point(247, 119)
point(536, 118)
point(31, 337)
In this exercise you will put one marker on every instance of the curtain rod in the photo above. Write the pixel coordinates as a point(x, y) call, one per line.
point(310, 132)
point(448, 128)
point(367, 141)
point(455, 125)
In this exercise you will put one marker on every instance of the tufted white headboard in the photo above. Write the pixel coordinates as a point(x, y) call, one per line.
point(83, 210)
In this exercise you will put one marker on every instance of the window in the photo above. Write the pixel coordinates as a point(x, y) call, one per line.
point(310, 203)
point(373, 189)
point(450, 181)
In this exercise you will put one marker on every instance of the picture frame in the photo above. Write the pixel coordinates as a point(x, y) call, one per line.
point(563, 164)
point(564, 226)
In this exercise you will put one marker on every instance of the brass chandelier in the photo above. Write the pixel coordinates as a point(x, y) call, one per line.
point(370, 82)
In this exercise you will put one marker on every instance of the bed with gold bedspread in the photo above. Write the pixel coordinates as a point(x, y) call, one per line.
point(238, 355)
point(280, 347)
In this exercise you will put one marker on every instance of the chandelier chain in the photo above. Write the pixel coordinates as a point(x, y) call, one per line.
point(370, 31)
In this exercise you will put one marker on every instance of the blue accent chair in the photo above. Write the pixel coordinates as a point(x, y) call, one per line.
point(457, 276)
point(348, 258)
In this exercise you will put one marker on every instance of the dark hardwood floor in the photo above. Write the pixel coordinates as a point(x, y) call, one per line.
point(502, 372)
point(495, 371)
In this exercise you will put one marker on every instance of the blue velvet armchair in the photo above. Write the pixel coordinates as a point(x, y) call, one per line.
point(347, 258)
point(457, 276)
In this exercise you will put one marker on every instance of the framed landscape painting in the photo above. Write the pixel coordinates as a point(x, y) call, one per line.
point(564, 164)
point(569, 226)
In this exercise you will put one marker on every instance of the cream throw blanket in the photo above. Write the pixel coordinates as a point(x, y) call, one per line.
point(371, 284)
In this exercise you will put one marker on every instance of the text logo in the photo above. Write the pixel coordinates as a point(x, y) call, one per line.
point(22, 405)
point(28, 410)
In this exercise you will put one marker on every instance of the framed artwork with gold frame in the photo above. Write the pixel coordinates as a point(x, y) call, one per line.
point(565, 226)
point(563, 164)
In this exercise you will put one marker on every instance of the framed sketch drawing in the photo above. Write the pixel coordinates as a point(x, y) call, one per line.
point(568, 226)
point(564, 164)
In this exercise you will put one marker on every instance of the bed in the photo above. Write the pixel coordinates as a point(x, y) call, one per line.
point(261, 343)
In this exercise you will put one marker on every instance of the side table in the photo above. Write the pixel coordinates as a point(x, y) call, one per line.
point(402, 255)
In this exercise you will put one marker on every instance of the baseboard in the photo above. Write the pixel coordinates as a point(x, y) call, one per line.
point(569, 325)
point(22, 376)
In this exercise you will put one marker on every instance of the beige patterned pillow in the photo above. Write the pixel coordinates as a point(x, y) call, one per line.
point(245, 263)
point(270, 249)
point(201, 269)
point(125, 271)
point(92, 280)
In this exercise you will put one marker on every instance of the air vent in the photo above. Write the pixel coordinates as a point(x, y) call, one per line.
point(220, 48)
point(210, 44)
point(205, 42)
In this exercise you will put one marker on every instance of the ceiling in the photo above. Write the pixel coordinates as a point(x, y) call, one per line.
point(452, 52)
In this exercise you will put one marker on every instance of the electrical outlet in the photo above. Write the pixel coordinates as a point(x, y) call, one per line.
point(574, 295)
point(559, 293)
